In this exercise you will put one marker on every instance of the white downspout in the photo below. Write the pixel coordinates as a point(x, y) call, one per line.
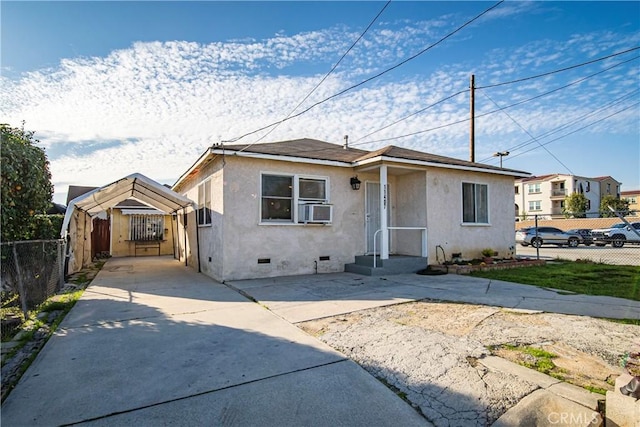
point(384, 206)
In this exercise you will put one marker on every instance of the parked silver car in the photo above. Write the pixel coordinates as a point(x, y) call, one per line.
point(547, 235)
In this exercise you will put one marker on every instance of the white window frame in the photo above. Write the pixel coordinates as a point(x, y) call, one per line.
point(476, 209)
point(296, 200)
point(534, 188)
point(203, 214)
point(535, 205)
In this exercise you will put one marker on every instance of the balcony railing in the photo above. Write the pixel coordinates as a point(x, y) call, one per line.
point(558, 192)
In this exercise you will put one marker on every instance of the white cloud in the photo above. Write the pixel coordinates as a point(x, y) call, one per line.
point(155, 107)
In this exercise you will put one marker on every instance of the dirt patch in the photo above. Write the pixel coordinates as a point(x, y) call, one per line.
point(429, 351)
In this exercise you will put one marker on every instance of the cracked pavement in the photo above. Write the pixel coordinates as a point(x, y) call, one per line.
point(429, 352)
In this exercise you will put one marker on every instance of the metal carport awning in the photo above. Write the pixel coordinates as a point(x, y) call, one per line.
point(77, 223)
point(135, 186)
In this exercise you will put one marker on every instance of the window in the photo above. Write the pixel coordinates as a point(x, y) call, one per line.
point(204, 203)
point(146, 227)
point(534, 205)
point(277, 198)
point(475, 203)
point(281, 193)
point(534, 188)
point(517, 189)
point(312, 190)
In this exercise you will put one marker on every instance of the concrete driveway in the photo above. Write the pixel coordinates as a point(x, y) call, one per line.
point(152, 342)
point(303, 298)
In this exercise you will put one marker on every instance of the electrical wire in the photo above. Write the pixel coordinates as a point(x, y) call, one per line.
point(571, 123)
point(342, 92)
point(559, 70)
point(489, 112)
point(324, 78)
point(584, 127)
point(411, 115)
point(529, 133)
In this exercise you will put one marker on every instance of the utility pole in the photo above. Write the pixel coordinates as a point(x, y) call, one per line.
point(472, 126)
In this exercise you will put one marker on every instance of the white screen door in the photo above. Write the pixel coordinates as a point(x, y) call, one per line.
point(372, 214)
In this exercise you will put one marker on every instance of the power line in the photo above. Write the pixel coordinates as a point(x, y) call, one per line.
point(584, 127)
point(528, 133)
point(560, 70)
point(489, 112)
point(412, 114)
point(571, 123)
point(325, 77)
point(342, 92)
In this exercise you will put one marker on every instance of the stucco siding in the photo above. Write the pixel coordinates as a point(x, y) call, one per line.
point(240, 245)
point(444, 215)
point(256, 249)
point(206, 248)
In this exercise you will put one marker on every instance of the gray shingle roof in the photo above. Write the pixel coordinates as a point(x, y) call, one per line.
point(304, 148)
point(320, 150)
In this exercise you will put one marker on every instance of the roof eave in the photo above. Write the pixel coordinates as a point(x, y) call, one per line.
point(193, 167)
point(284, 158)
point(508, 172)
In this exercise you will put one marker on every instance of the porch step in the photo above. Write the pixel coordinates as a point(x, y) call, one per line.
point(396, 264)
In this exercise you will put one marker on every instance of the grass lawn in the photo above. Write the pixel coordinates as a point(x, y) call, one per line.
point(580, 277)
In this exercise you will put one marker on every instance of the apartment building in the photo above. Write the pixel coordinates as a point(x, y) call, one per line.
point(544, 195)
point(633, 197)
point(608, 186)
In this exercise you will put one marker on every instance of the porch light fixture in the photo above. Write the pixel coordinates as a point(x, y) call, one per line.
point(355, 182)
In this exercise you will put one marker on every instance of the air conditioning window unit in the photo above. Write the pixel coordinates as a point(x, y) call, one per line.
point(322, 214)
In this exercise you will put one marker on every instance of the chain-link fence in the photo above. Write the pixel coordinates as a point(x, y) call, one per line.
point(603, 240)
point(32, 271)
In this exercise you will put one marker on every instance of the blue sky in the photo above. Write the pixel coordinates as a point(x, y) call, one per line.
point(112, 88)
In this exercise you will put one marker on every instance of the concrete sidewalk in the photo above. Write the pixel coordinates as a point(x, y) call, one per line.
point(154, 343)
point(303, 298)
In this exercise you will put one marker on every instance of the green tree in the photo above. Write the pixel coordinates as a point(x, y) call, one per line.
point(575, 206)
point(26, 187)
point(619, 205)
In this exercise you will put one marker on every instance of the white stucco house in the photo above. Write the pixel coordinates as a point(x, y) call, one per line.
point(307, 206)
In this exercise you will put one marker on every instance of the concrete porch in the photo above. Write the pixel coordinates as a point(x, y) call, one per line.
point(395, 264)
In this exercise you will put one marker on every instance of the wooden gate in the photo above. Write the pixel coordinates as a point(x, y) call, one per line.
point(100, 236)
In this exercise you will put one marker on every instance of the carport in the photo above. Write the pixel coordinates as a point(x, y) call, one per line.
point(78, 221)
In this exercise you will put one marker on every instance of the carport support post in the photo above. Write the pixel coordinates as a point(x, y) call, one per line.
point(184, 223)
point(198, 247)
point(384, 206)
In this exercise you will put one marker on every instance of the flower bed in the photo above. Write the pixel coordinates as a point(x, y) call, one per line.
point(477, 265)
